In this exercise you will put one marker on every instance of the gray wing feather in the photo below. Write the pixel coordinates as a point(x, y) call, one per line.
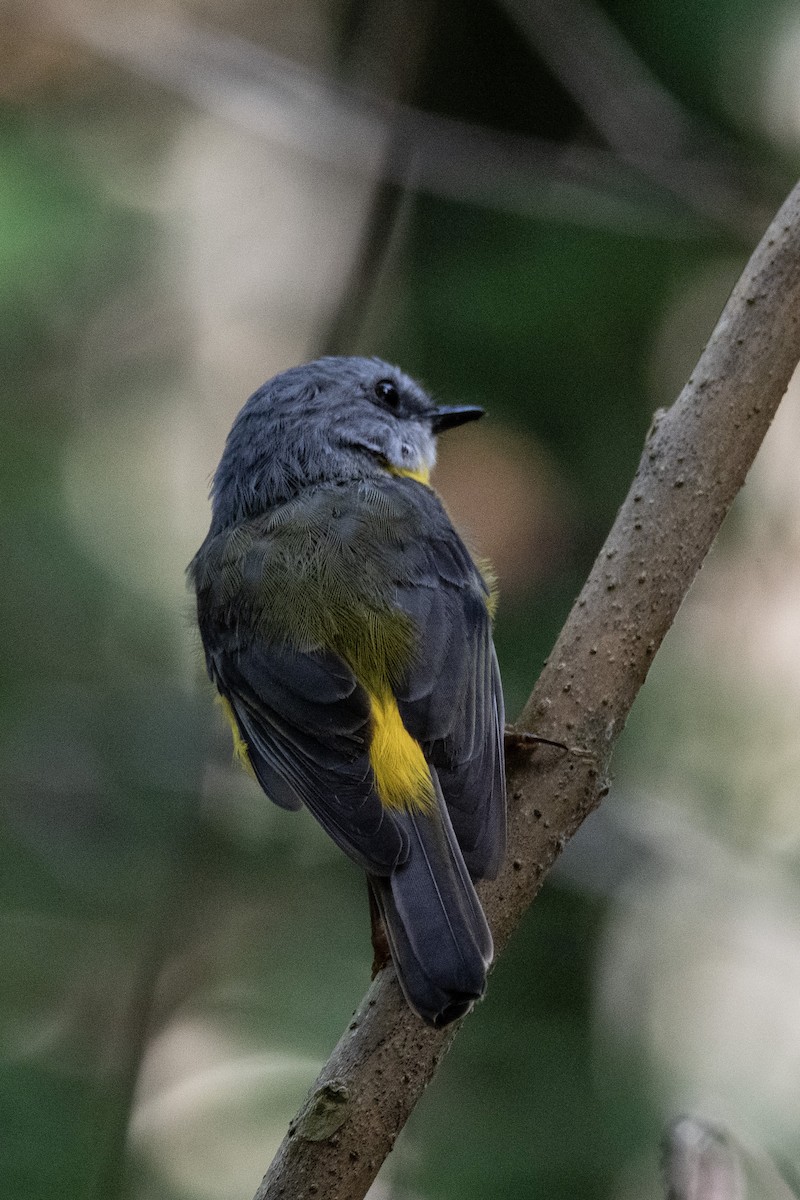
point(302, 713)
point(305, 721)
point(451, 699)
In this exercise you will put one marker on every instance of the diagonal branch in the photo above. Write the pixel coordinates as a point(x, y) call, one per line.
point(695, 460)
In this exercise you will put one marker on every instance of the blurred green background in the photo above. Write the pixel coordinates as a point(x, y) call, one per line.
point(537, 207)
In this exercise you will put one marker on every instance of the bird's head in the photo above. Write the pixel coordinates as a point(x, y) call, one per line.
point(331, 420)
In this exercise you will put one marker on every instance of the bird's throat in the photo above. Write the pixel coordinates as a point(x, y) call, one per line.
point(421, 474)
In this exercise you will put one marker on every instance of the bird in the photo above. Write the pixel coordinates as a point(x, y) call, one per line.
point(348, 631)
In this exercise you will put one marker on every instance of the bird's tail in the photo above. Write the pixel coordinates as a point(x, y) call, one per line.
point(440, 942)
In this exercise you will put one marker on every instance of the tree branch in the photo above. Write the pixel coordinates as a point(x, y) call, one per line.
point(695, 460)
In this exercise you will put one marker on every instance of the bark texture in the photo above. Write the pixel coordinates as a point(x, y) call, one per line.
point(695, 459)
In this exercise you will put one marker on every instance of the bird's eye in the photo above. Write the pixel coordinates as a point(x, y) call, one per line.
point(388, 394)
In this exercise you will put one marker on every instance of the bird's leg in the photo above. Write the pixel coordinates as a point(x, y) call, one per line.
point(381, 954)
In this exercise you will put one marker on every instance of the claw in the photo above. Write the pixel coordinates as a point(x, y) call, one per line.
point(520, 739)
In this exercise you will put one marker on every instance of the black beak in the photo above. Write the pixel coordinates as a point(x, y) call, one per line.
point(448, 418)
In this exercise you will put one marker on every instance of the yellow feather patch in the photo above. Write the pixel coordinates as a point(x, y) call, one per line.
point(422, 475)
point(489, 577)
point(240, 753)
point(402, 777)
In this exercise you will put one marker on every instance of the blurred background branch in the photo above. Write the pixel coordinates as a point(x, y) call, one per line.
point(642, 122)
point(672, 182)
point(702, 1161)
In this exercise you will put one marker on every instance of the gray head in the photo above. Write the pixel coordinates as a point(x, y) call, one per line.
point(335, 419)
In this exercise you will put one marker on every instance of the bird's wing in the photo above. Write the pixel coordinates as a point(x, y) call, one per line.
point(305, 722)
point(297, 579)
point(451, 699)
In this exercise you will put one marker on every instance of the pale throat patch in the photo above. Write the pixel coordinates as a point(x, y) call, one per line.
point(419, 467)
point(422, 474)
